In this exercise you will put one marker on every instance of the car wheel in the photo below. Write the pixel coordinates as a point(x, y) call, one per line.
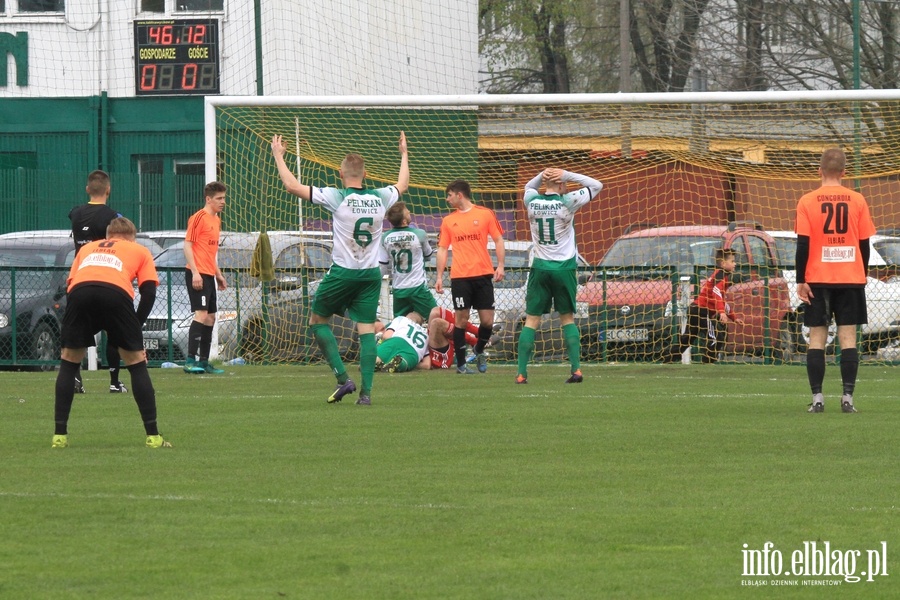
point(45, 346)
point(788, 349)
point(251, 341)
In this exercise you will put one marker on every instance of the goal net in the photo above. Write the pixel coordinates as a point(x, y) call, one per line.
point(683, 174)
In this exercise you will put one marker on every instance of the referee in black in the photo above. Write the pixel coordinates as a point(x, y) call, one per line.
point(89, 223)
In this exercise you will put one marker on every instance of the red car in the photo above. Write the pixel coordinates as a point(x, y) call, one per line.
point(637, 302)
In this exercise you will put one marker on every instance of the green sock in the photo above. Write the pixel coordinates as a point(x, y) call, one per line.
point(367, 361)
point(329, 347)
point(573, 345)
point(526, 349)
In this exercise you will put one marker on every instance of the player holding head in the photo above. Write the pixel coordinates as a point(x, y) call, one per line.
point(467, 230)
point(89, 223)
point(403, 252)
point(553, 279)
point(709, 312)
point(353, 283)
point(833, 230)
point(101, 297)
point(203, 277)
point(404, 345)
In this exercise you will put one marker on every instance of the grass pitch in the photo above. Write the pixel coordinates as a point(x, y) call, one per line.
point(642, 482)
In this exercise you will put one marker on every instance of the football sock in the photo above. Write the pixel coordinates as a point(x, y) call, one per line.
point(65, 393)
point(459, 346)
point(206, 332)
point(572, 337)
point(367, 362)
point(112, 359)
point(144, 395)
point(484, 336)
point(849, 368)
point(329, 347)
point(815, 369)
point(194, 338)
point(471, 334)
point(526, 349)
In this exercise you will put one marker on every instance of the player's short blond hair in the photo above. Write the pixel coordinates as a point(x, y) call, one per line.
point(833, 162)
point(353, 166)
point(415, 318)
point(122, 228)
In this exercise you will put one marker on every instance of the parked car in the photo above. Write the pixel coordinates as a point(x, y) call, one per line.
point(39, 297)
point(882, 296)
point(150, 244)
point(249, 326)
point(637, 301)
point(163, 239)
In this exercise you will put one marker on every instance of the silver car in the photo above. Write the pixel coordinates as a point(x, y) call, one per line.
point(255, 321)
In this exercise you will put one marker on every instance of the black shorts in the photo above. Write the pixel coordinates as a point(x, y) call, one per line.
point(846, 304)
point(204, 299)
point(472, 292)
point(92, 308)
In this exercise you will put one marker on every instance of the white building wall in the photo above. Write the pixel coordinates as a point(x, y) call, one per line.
point(309, 47)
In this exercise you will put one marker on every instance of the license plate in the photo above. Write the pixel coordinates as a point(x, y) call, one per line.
point(151, 344)
point(627, 335)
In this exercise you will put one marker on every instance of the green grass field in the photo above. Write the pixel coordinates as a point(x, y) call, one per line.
point(643, 482)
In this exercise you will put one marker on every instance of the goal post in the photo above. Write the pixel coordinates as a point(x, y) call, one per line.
point(704, 158)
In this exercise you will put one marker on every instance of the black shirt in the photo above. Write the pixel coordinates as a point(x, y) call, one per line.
point(89, 222)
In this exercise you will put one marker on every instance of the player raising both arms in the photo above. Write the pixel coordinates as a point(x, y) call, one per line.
point(353, 283)
point(553, 279)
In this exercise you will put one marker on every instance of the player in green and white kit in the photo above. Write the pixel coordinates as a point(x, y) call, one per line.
point(404, 250)
point(404, 345)
point(553, 279)
point(353, 283)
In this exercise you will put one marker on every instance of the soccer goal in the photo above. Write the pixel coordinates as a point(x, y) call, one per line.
point(734, 162)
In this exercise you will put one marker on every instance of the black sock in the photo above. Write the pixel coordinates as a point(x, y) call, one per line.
point(459, 345)
point(144, 395)
point(849, 369)
point(484, 336)
point(815, 369)
point(194, 335)
point(206, 332)
point(112, 359)
point(65, 394)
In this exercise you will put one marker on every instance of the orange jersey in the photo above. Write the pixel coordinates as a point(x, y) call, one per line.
point(115, 262)
point(835, 219)
point(467, 234)
point(203, 230)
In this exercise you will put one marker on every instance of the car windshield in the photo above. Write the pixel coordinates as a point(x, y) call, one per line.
point(889, 249)
point(787, 251)
point(684, 252)
point(28, 256)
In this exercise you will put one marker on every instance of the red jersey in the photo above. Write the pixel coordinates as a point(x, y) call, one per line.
point(446, 359)
point(203, 230)
point(835, 219)
point(712, 293)
point(114, 262)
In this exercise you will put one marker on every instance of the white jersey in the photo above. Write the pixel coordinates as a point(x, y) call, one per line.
point(357, 223)
point(552, 217)
point(405, 249)
point(412, 333)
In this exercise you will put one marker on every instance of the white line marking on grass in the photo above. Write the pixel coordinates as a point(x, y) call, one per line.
point(176, 498)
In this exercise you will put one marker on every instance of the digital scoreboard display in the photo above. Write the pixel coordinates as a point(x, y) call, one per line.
point(176, 57)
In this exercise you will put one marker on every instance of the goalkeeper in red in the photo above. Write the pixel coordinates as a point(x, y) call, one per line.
point(833, 230)
point(553, 279)
point(353, 283)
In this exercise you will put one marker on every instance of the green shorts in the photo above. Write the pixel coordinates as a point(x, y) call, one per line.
point(337, 295)
point(418, 299)
point(391, 347)
point(548, 290)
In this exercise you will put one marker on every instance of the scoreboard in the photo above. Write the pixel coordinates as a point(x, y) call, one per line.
point(176, 57)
